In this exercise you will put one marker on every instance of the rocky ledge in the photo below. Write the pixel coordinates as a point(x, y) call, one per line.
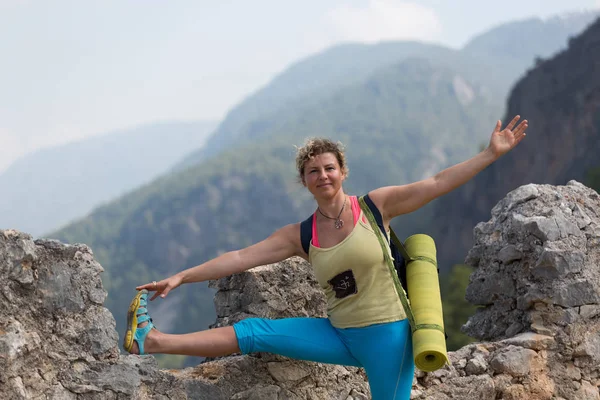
point(537, 281)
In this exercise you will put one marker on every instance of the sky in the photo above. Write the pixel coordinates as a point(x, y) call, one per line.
point(70, 69)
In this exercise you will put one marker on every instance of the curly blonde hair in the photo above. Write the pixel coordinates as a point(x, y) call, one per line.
point(316, 146)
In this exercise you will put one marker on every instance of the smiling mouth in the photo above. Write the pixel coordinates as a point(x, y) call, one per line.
point(325, 184)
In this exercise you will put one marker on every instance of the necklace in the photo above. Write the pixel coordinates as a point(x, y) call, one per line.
point(338, 222)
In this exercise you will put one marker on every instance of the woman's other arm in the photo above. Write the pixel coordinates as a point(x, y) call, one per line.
point(282, 244)
point(396, 200)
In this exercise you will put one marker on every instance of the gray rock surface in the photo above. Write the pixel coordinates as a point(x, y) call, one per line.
point(537, 279)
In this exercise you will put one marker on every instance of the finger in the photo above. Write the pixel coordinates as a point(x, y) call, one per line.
point(521, 128)
point(498, 126)
point(165, 292)
point(147, 286)
point(155, 295)
point(520, 135)
point(517, 141)
point(521, 132)
point(512, 123)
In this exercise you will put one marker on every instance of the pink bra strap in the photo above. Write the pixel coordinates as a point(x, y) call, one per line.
point(315, 238)
point(355, 208)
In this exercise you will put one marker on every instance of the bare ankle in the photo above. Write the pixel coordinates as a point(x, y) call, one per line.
point(151, 342)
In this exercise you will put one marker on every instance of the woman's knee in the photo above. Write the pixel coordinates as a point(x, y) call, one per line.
point(245, 333)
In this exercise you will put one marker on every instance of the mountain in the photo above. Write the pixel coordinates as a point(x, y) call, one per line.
point(523, 41)
point(51, 187)
point(308, 80)
point(561, 99)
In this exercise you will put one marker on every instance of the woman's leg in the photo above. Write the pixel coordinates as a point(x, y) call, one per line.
point(302, 338)
point(209, 343)
point(385, 350)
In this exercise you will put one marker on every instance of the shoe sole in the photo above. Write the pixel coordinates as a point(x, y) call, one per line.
point(132, 321)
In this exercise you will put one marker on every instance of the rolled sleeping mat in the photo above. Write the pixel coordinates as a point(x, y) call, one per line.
point(429, 340)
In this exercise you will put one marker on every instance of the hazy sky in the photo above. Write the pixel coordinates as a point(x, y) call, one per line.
point(73, 68)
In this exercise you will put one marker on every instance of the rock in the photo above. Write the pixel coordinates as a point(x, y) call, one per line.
point(476, 366)
point(537, 279)
point(509, 254)
point(558, 263)
point(287, 371)
point(513, 360)
point(530, 340)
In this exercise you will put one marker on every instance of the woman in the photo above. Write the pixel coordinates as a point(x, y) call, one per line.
point(366, 324)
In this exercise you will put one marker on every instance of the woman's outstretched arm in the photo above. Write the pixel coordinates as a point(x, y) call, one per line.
point(396, 200)
point(282, 244)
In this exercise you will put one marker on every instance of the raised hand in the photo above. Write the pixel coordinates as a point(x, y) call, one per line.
point(163, 287)
point(506, 139)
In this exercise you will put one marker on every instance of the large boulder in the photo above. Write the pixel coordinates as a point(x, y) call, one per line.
point(537, 280)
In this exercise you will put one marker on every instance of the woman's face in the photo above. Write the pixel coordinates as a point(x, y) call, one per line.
point(323, 175)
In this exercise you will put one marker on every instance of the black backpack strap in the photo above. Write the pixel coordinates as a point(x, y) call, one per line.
point(376, 214)
point(306, 233)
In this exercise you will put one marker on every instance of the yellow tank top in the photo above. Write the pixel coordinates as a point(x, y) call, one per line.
point(356, 280)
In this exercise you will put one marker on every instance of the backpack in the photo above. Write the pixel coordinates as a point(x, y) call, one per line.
point(394, 243)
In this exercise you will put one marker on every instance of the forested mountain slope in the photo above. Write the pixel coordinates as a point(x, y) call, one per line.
point(49, 188)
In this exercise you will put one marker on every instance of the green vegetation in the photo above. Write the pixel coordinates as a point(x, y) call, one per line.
point(457, 310)
point(593, 179)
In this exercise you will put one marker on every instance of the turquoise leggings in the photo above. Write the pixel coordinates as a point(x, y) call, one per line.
point(384, 350)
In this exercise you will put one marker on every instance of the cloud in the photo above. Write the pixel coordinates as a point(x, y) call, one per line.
point(383, 20)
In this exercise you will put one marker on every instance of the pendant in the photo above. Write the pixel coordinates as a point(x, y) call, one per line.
point(338, 223)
